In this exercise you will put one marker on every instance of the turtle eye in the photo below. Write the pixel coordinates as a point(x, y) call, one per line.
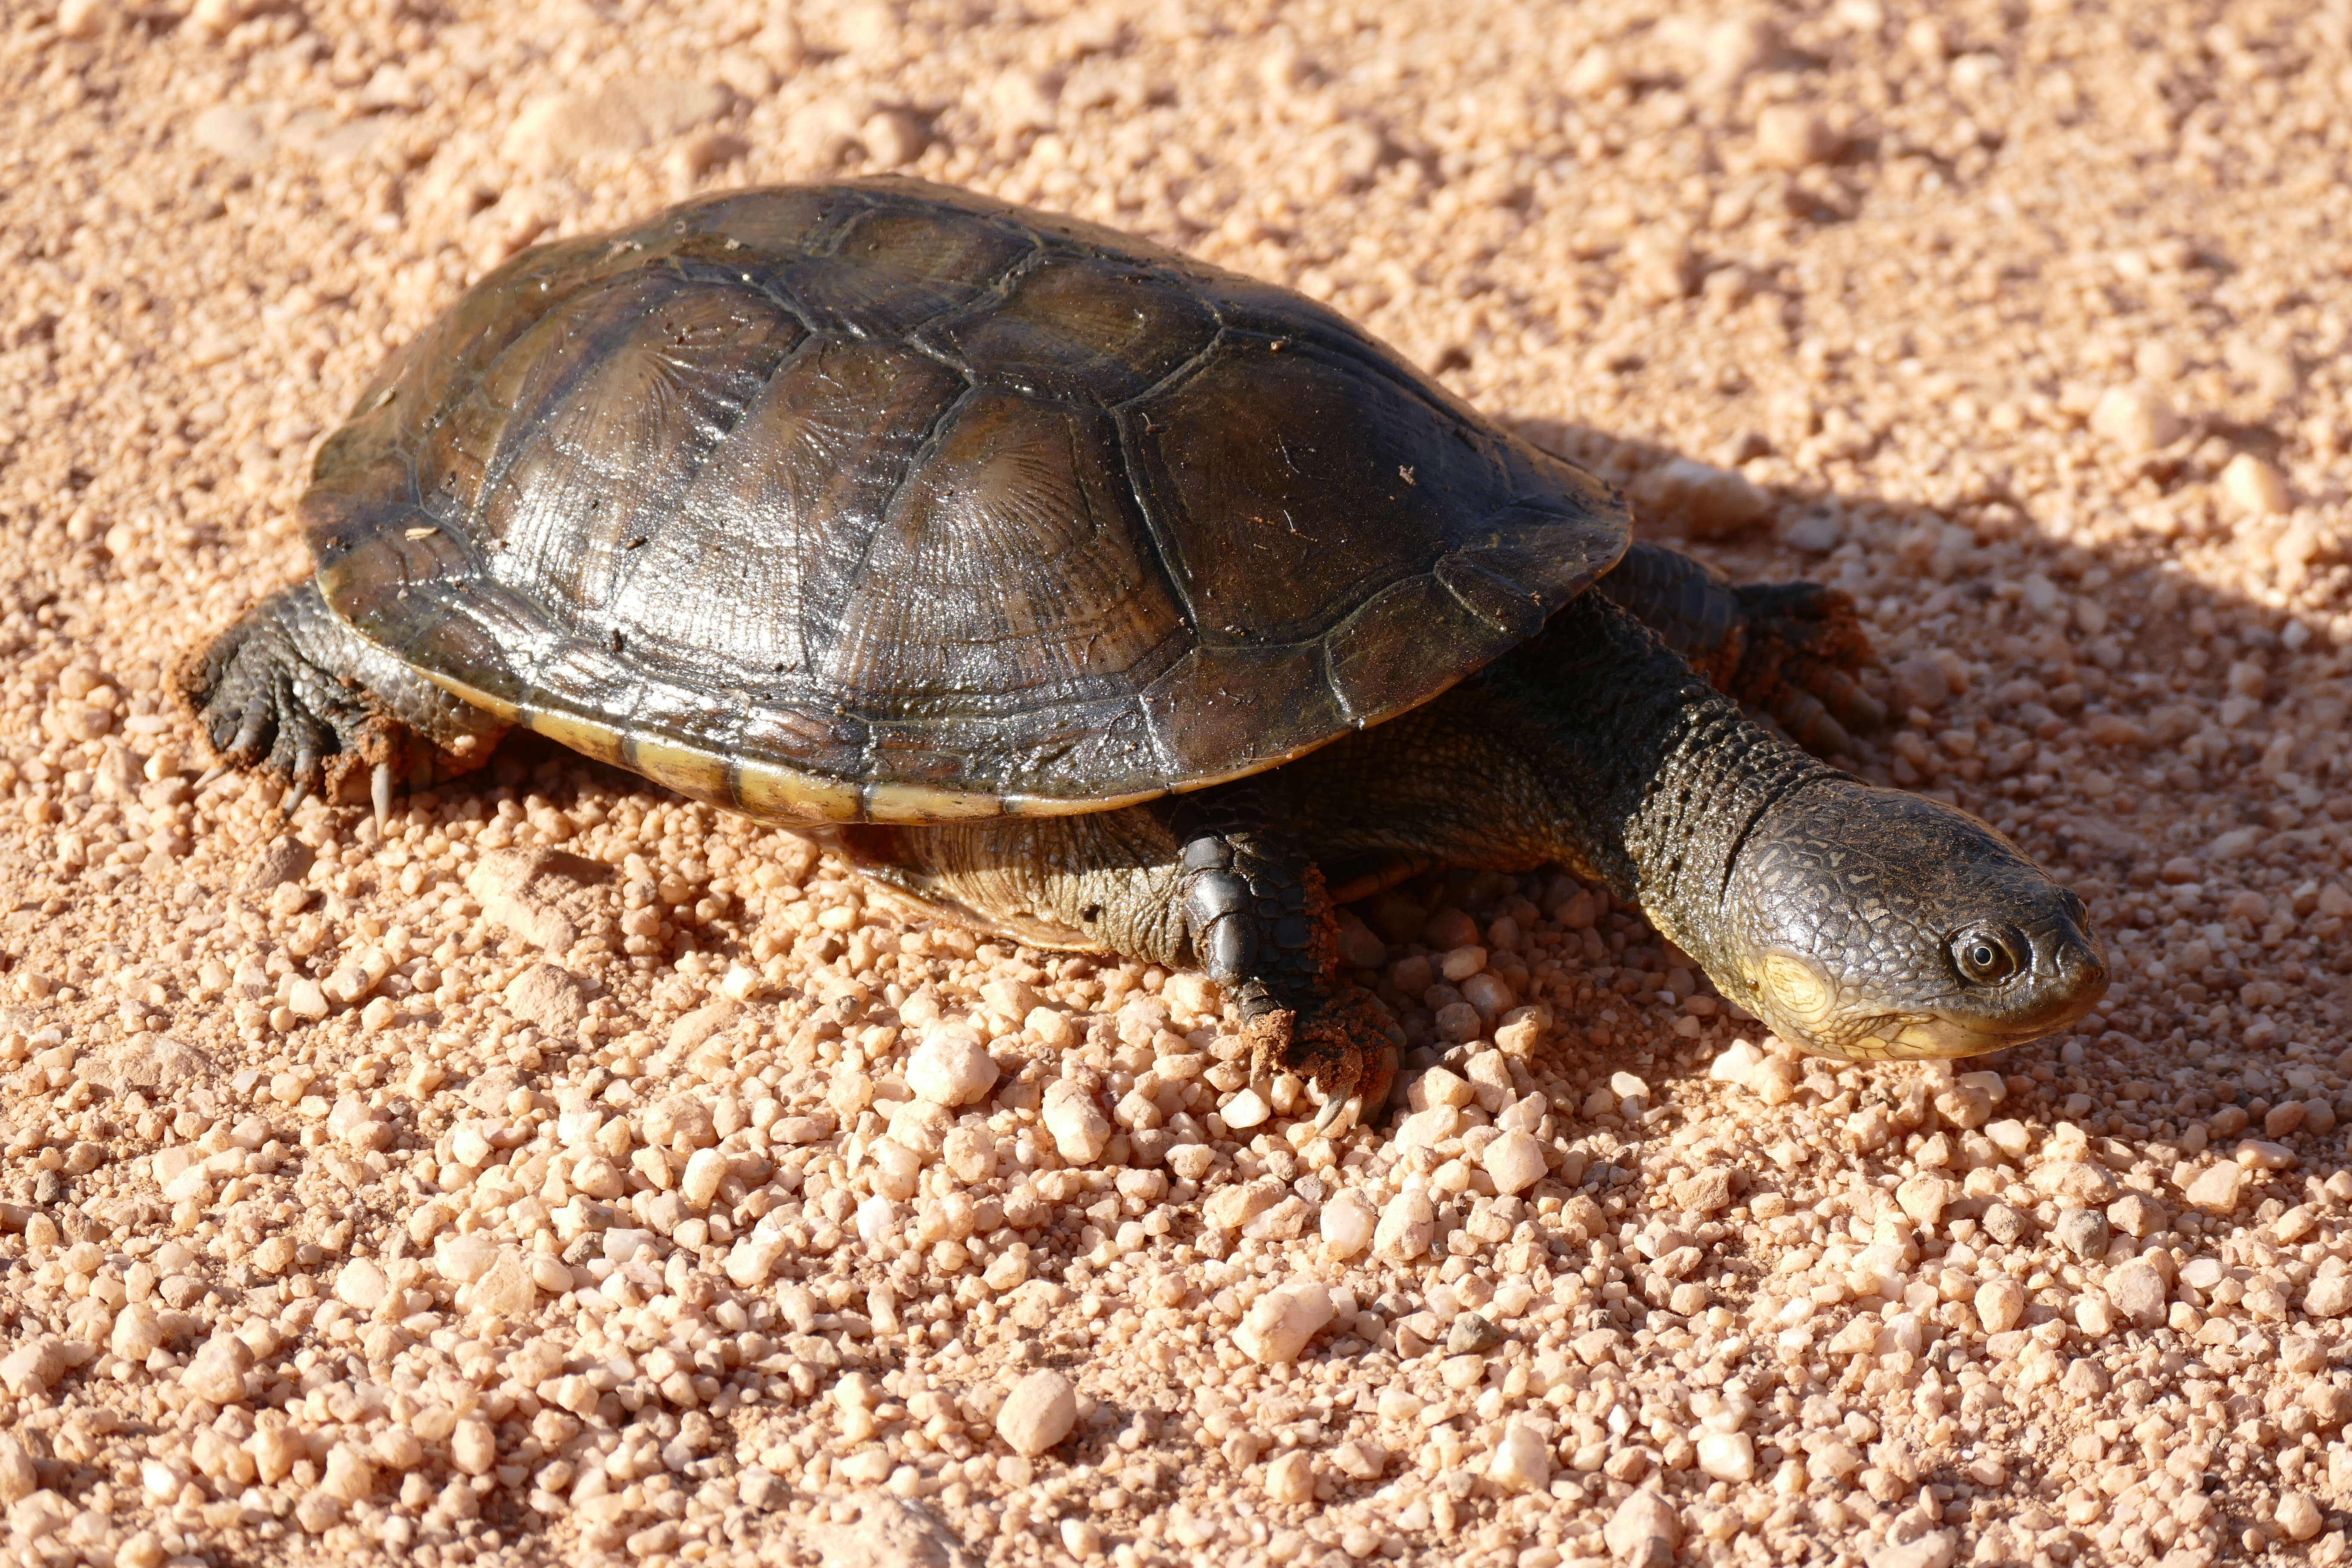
point(1986, 957)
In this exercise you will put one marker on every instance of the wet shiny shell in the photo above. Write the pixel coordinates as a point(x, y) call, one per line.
point(886, 501)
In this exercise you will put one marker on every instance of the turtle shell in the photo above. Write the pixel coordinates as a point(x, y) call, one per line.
point(886, 501)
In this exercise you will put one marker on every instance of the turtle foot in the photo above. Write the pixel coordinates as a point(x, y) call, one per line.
point(1805, 645)
point(1346, 1049)
point(264, 704)
point(281, 691)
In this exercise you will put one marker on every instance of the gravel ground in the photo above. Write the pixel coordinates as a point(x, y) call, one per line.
point(567, 1169)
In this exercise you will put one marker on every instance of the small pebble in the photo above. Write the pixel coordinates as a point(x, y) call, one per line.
point(2084, 1233)
point(217, 1371)
point(1521, 1461)
point(2138, 1292)
point(2253, 487)
point(1244, 1111)
point(18, 1477)
point(1471, 1333)
point(83, 18)
point(2000, 1304)
point(2299, 1516)
point(2136, 419)
point(1280, 1322)
point(2216, 1190)
point(1790, 136)
point(1727, 1455)
point(1516, 1161)
point(1407, 1226)
point(1038, 1412)
point(473, 1446)
point(1645, 1530)
point(951, 1068)
point(1347, 1225)
point(1079, 1128)
point(1290, 1477)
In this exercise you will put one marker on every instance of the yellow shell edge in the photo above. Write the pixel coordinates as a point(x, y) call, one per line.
point(919, 803)
point(770, 792)
point(692, 773)
point(601, 742)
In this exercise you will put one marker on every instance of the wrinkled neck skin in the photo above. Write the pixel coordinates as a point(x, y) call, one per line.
point(1835, 912)
point(1659, 779)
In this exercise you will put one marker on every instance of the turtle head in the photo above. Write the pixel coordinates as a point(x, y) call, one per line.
point(1870, 923)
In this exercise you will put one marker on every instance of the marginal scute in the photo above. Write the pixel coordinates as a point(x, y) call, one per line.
point(1495, 599)
point(488, 702)
point(788, 220)
point(601, 742)
point(1374, 659)
point(1226, 712)
point(695, 774)
point(900, 268)
point(882, 500)
point(913, 803)
point(769, 792)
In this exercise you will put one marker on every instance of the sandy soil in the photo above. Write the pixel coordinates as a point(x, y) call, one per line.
point(555, 1173)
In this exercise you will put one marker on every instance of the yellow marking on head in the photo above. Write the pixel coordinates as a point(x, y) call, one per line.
point(919, 803)
point(584, 736)
point(1796, 987)
point(769, 792)
point(690, 773)
point(1941, 1038)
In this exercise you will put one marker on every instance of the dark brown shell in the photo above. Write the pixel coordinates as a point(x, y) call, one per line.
point(882, 500)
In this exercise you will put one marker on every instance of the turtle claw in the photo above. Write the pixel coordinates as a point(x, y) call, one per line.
point(245, 745)
point(380, 793)
point(1344, 1047)
point(307, 778)
point(212, 774)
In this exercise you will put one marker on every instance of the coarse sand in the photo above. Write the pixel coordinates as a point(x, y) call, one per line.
point(569, 1172)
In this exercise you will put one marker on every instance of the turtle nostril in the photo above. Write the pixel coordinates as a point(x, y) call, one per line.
point(2086, 965)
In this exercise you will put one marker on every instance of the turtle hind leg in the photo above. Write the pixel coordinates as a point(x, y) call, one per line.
point(291, 689)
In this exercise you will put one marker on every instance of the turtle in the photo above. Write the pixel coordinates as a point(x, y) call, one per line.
point(1095, 595)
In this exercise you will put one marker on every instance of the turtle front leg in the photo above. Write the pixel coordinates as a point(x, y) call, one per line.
point(1261, 923)
point(1205, 883)
point(1789, 650)
point(290, 688)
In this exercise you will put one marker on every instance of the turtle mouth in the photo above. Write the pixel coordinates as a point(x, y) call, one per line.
point(1921, 1037)
point(1804, 1004)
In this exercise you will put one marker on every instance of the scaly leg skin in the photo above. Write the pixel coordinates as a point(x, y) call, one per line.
point(1205, 883)
point(1261, 923)
point(292, 689)
point(1789, 650)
